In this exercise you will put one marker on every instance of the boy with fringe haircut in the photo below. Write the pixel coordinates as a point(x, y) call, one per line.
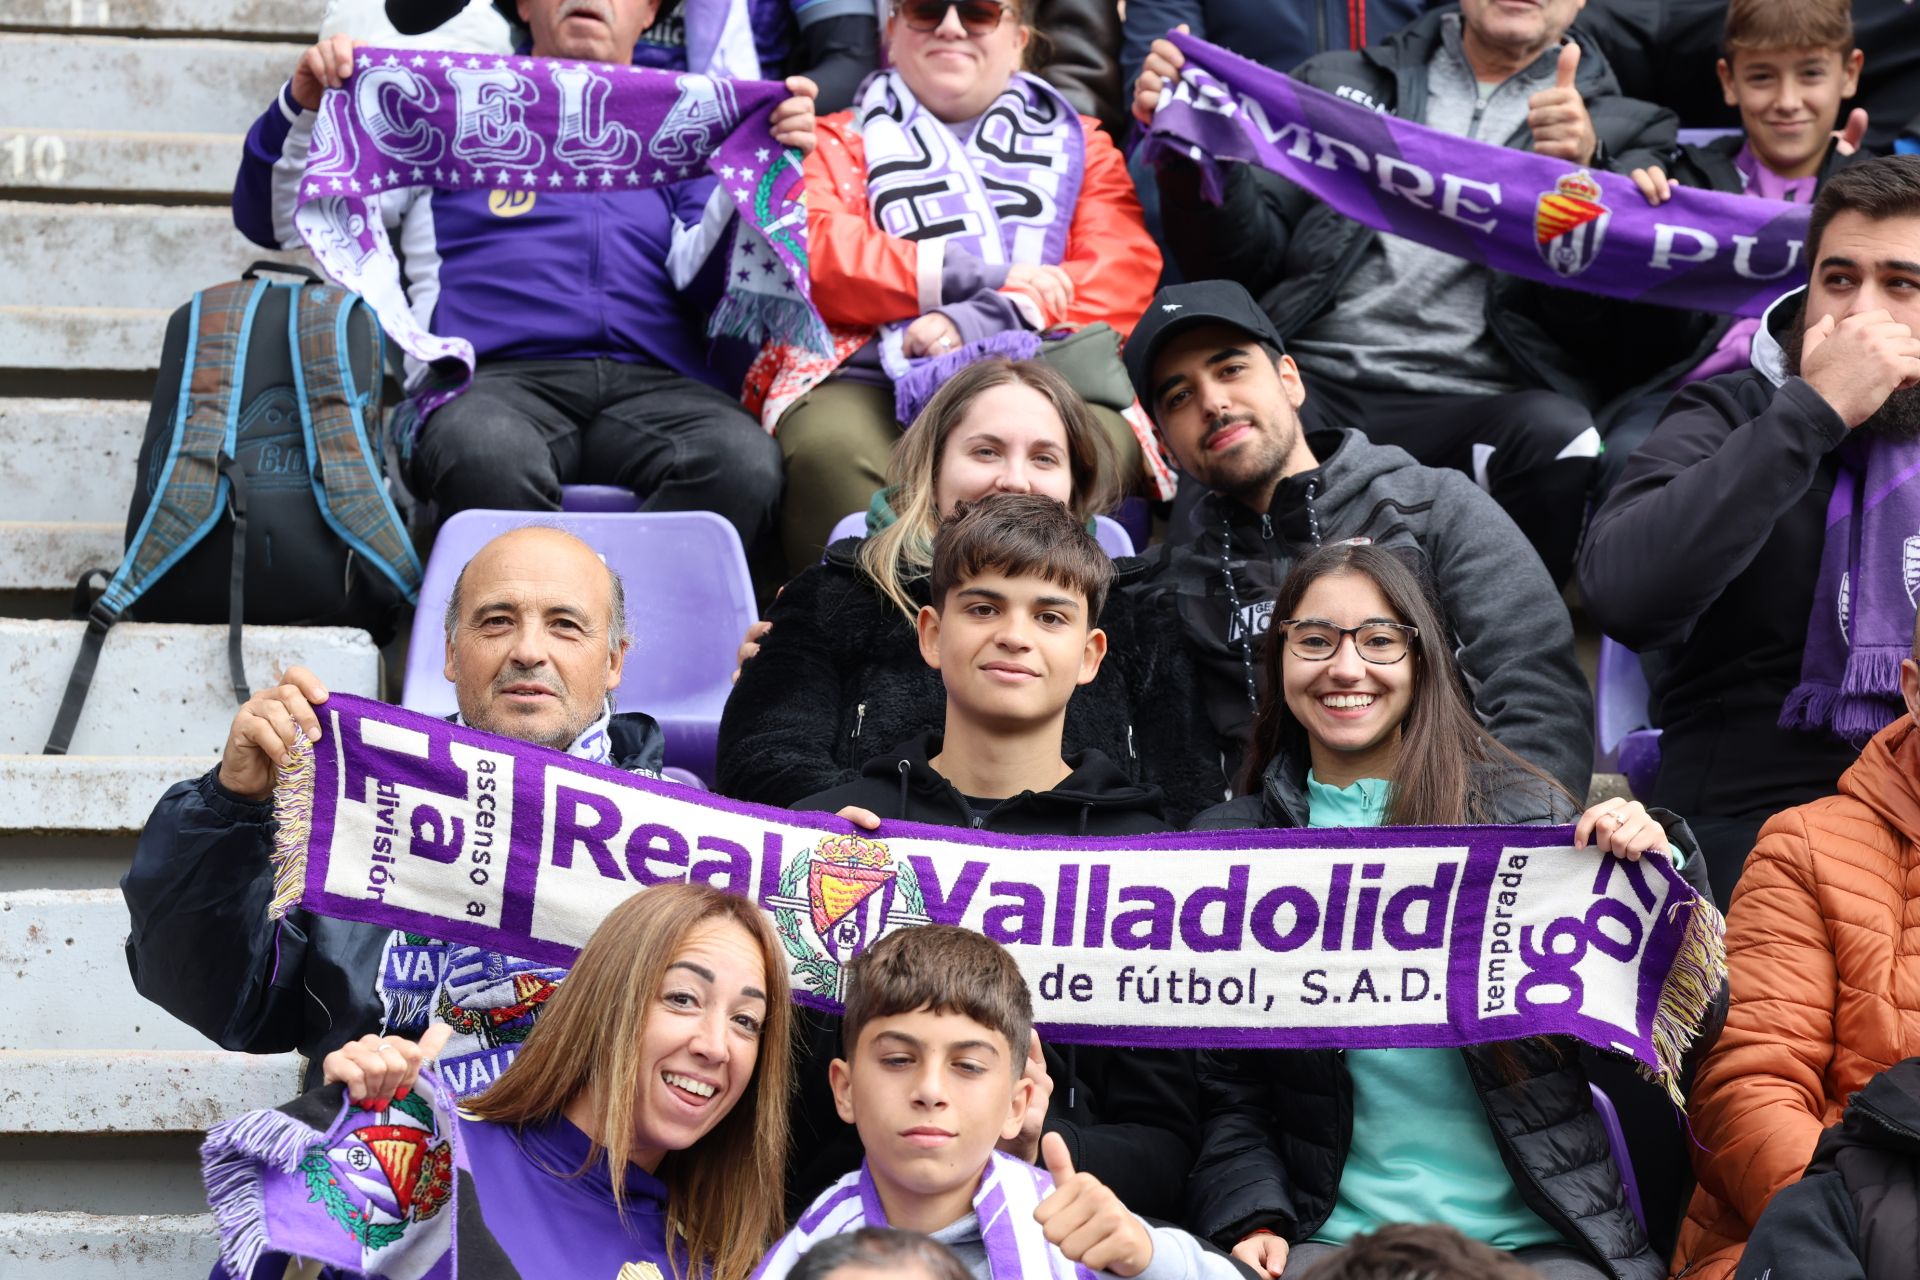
point(937, 1026)
point(1017, 588)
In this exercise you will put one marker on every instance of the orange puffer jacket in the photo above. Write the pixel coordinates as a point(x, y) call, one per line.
point(1823, 948)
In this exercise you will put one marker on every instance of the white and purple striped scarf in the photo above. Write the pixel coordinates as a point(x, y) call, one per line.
point(1004, 193)
point(1010, 1190)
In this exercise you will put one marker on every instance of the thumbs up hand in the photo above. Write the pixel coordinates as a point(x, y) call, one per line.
point(1086, 1221)
point(1847, 139)
point(1558, 116)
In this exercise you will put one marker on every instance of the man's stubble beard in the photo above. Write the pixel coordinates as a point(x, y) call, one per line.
point(1897, 418)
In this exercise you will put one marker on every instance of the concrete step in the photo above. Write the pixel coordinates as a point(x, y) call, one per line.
point(69, 459)
point(63, 967)
point(293, 19)
point(44, 555)
point(143, 165)
point(79, 338)
point(82, 1246)
point(106, 82)
point(118, 256)
point(161, 688)
point(129, 1091)
point(88, 796)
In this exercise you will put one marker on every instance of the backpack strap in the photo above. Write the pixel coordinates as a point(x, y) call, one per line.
point(187, 501)
point(349, 486)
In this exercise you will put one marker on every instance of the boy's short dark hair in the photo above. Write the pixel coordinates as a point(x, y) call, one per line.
point(882, 1250)
point(1881, 188)
point(1427, 1249)
point(945, 969)
point(1019, 534)
point(1787, 24)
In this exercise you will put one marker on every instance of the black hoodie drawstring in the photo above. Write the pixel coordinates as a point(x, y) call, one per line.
point(1233, 587)
point(904, 767)
point(1086, 816)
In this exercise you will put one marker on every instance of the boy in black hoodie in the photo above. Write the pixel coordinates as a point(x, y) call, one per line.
point(1016, 587)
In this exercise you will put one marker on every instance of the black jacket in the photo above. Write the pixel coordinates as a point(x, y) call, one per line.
point(1295, 253)
point(840, 679)
point(203, 949)
point(1513, 637)
point(1278, 1122)
point(1129, 1116)
point(1739, 472)
point(1855, 1214)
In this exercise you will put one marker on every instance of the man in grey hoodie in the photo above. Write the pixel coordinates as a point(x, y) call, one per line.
point(1210, 368)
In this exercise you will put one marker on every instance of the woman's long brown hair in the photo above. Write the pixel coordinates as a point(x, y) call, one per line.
point(1441, 740)
point(725, 1194)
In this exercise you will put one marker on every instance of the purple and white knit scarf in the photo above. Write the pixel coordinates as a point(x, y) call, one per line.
point(413, 118)
point(1005, 194)
point(1010, 1190)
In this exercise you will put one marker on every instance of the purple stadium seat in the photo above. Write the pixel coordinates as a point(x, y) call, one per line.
point(1136, 517)
point(689, 601)
point(598, 497)
point(1617, 1143)
point(1624, 740)
point(1110, 534)
point(685, 777)
point(1701, 137)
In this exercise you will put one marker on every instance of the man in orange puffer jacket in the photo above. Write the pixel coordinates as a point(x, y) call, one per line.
point(1823, 948)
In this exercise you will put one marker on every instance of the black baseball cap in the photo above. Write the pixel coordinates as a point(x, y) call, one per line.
point(1182, 306)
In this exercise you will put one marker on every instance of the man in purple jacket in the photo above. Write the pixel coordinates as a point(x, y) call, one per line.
point(586, 312)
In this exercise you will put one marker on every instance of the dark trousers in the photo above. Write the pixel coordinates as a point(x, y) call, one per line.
point(525, 427)
point(1533, 451)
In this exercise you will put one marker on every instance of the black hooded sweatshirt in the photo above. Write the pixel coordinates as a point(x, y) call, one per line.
point(1855, 1215)
point(1129, 1116)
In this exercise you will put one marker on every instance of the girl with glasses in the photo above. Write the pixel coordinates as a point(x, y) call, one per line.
point(960, 210)
point(1366, 722)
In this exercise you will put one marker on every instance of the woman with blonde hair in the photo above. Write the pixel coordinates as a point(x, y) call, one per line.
point(640, 1132)
point(835, 676)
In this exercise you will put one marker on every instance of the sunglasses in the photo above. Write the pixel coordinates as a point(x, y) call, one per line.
point(978, 16)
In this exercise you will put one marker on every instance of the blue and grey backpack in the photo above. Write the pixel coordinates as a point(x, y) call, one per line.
point(262, 493)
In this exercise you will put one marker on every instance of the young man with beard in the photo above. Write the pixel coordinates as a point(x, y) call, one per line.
point(1789, 493)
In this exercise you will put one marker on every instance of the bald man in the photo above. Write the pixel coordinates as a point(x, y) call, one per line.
point(535, 644)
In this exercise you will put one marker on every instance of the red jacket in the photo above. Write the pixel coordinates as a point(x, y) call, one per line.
point(864, 277)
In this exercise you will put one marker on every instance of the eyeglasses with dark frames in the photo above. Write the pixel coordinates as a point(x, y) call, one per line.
point(978, 17)
point(1381, 643)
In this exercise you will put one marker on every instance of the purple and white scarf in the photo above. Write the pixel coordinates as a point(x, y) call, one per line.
point(1383, 937)
point(1005, 194)
point(1010, 1190)
point(412, 118)
point(1861, 626)
point(1534, 216)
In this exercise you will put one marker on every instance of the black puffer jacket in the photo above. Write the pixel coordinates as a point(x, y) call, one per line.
point(1278, 1123)
point(1294, 253)
point(1855, 1215)
point(840, 679)
point(203, 949)
point(1129, 1116)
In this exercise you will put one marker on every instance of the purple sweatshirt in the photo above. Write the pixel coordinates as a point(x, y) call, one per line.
point(628, 275)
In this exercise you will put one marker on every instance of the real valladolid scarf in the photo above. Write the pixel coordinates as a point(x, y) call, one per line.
point(1514, 211)
point(1005, 194)
point(411, 118)
point(1381, 937)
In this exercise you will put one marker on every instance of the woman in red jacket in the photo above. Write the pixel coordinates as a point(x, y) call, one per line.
point(960, 209)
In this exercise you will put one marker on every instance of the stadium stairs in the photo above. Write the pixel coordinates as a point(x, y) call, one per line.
point(121, 123)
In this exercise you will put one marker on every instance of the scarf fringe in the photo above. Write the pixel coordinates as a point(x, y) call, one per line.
point(913, 389)
point(293, 816)
point(1699, 970)
point(231, 1160)
point(767, 317)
